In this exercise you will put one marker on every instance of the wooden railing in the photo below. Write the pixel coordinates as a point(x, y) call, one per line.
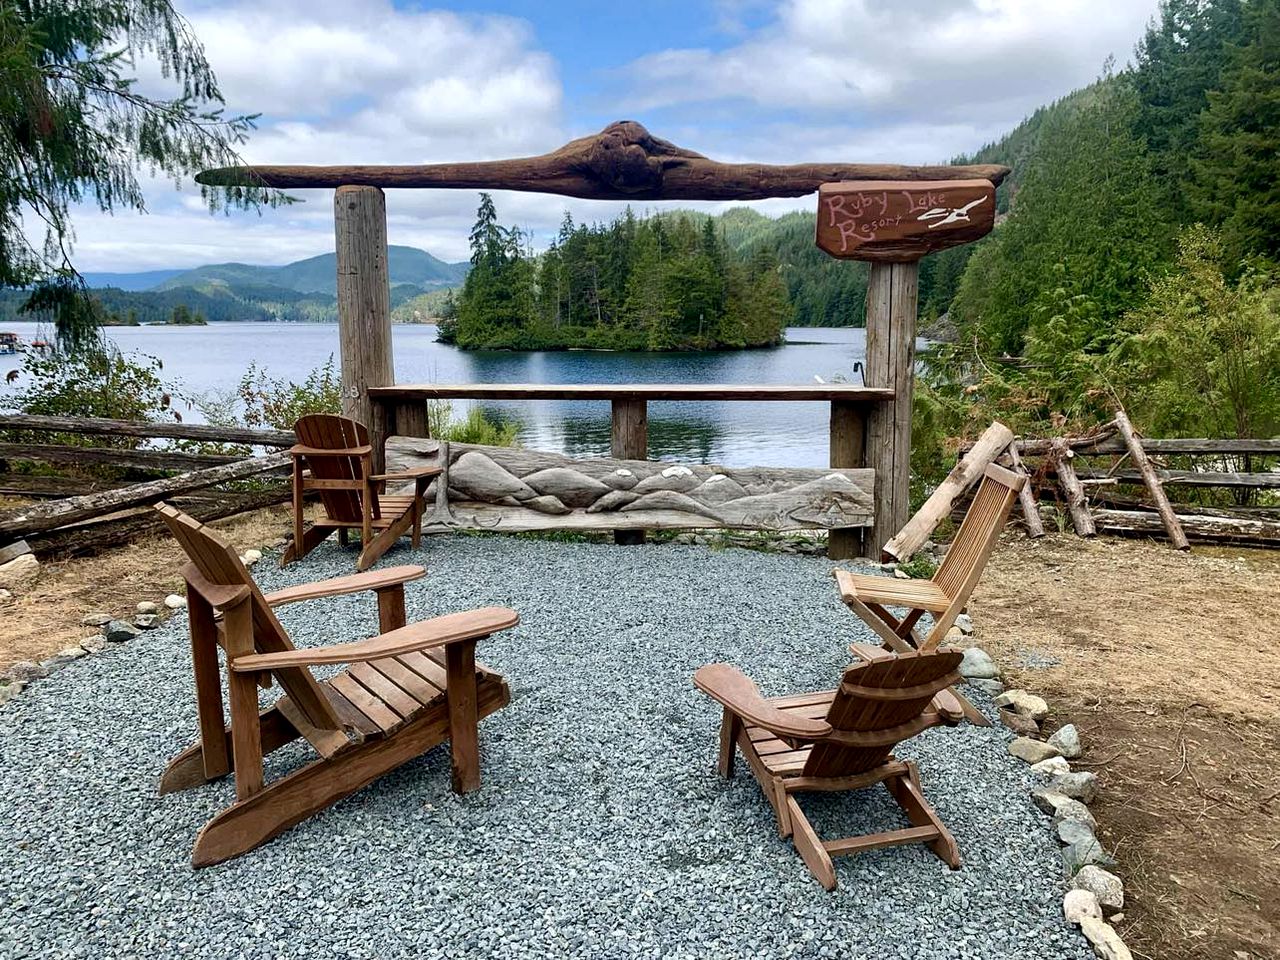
point(400, 410)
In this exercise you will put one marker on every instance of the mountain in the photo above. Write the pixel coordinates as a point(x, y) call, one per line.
point(406, 266)
point(146, 280)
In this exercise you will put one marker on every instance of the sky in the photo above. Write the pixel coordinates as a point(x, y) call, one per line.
point(377, 81)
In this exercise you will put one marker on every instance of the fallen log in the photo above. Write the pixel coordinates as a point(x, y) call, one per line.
point(114, 456)
point(1194, 478)
point(102, 426)
point(1170, 519)
point(903, 545)
point(1107, 443)
point(624, 161)
point(1201, 527)
point(1060, 455)
point(38, 518)
point(1026, 498)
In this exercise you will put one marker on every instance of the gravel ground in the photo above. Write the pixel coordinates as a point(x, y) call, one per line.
point(601, 829)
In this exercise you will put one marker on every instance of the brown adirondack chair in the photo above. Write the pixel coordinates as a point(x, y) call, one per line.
point(839, 740)
point(333, 457)
point(946, 594)
point(406, 690)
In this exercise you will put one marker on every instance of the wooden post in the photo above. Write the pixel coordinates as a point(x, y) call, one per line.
point(630, 442)
point(1170, 519)
point(1027, 498)
point(1077, 504)
point(364, 299)
point(848, 449)
point(891, 353)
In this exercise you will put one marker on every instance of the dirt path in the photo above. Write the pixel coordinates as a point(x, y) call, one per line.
point(1170, 667)
point(1167, 663)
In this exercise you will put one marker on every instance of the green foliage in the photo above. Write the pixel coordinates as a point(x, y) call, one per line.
point(475, 427)
point(919, 567)
point(267, 401)
point(77, 127)
point(656, 283)
point(184, 316)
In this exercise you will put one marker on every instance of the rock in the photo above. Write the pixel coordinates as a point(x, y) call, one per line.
point(992, 688)
point(1105, 941)
point(549, 505)
point(1073, 810)
point(20, 573)
point(476, 477)
point(571, 488)
point(24, 671)
point(1031, 751)
point(964, 623)
point(977, 665)
point(95, 620)
point(1106, 887)
point(250, 557)
point(1022, 726)
point(1078, 785)
point(118, 631)
point(1078, 904)
point(1048, 801)
point(1051, 767)
point(1067, 740)
point(900, 574)
point(954, 636)
point(146, 606)
point(9, 690)
point(175, 602)
point(63, 657)
point(146, 621)
point(1027, 704)
point(1074, 831)
point(94, 643)
point(5, 596)
point(1084, 853)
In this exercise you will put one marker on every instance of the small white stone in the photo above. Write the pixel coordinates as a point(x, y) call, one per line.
point(978, 665)
point(1107, 888)
point(251, 557)
point(1031, 751)
point(900, 574)
point(1027, 704)
point(1078, 904)
point(5, 596)
point(95, 620)
point(1103, 938)
point(147, 606)
point(1067, 740)
point(1052, 766)
point(175, 602)
point(964, 623)
point(20, 573)
point(94, 643)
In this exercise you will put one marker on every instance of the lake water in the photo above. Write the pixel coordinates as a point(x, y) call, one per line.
point(200, 360)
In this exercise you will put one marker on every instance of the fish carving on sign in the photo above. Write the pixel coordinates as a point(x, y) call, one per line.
point(902, 221)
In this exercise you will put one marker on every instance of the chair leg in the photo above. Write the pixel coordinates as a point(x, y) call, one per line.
point(729, 727)
point(906, 790)
point(464, 731)
point(372, 549)
point(809, 847)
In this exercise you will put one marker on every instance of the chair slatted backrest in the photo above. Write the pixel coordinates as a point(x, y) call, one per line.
point(330, 432)
point(219, 564)
point(979, 531)
point(884, 702)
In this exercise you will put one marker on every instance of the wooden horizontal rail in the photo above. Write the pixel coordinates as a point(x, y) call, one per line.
point(146, 428)
point(846, 393)
point(1194, 478)
point(116, 456)
point(1202, 446)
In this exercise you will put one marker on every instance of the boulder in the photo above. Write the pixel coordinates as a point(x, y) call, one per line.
point(570, 487)
point(977, 665)
point(175, 602)
point(95, 620)
point(146, 606)
point(94, 643)
point(1027, 704)
point(1074, 831)
point(992, 688)
point(62, 658)
point(1078, 904)
point(549, 505)
point(1051, 767)
point(1067, 740)
point(476, 477)
point(118, 631)
point(8, 691)
point(20, 573)
point(1083, 853)
point(1031, 751)
point(146, 621)
point(1078, 785)
point(1071, 809)
point(1022, 726)
point(1105, 941)
point(24, 671)
point(1106, 887)
point(964, 623)
point(1048, 801)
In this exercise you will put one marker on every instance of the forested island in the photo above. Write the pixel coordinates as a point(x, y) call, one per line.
point(637, 283)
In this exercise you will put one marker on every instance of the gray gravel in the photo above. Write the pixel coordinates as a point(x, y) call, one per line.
point(601, 829)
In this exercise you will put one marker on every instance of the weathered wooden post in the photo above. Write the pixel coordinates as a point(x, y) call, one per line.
point(893, 224)
point(364, 302)
point(630, 442)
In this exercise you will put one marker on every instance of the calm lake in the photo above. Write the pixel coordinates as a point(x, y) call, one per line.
point(203, 360)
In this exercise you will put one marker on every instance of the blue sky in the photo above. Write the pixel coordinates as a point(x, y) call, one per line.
point(777, 81)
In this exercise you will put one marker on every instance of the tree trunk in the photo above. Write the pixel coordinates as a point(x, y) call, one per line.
point(1060, 453)
point(1027, 498)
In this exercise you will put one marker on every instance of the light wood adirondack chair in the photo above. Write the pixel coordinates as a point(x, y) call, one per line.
point(333, 457)
point(407, 690)
point(841, 740)
point(947, 593)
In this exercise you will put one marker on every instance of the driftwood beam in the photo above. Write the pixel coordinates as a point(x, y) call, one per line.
point(621, 162)
point(101, 426)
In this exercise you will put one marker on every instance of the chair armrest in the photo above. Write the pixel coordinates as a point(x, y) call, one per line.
point(729, 686)
point(424, 635)
point(947, 706)
point(870, 652)
point(414, 474)
point(370, 580)
point(302, 450)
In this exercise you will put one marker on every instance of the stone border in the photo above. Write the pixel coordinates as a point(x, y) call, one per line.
point(1094, 894)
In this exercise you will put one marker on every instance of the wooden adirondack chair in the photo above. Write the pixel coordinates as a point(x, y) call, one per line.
point(333, 457)
point(407, 690)
point(947, 593)
point(841, 740)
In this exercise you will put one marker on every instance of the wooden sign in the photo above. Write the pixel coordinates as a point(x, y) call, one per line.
point(902, 220)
